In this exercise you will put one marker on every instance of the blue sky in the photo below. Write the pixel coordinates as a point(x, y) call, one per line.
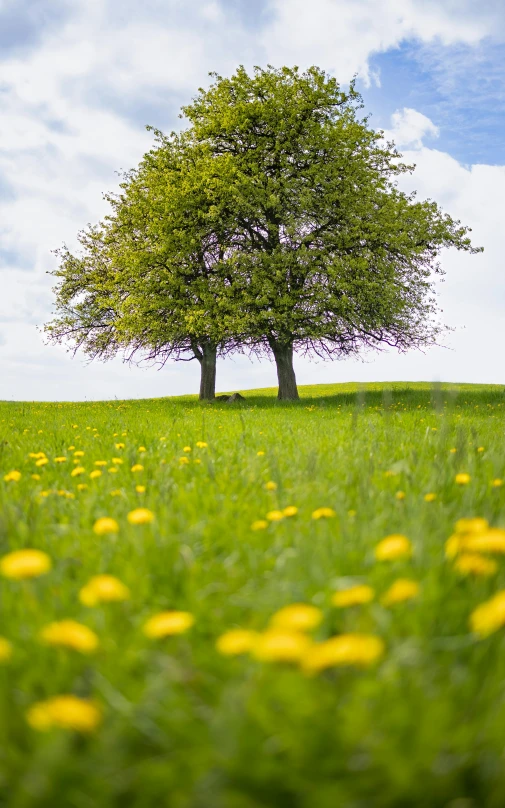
point(80, 79)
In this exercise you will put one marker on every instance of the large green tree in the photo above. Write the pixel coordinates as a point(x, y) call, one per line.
point(331, 258)
point(154, 280)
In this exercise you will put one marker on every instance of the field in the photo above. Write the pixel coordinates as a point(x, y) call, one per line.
point(406, 709)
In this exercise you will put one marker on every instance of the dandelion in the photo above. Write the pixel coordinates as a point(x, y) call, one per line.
point(137, 467)
point(104, 525)
point(296, 617)
point(117, 461)
point(142, 449)
point(400, 495)
point(94, 474)
point(42, 461)
point(275, 516)
point(201, 444)
point(25, 564)
point(77, 471)
point(475, 525)
point(70, 634)
point(119, 445)
point(452, 451)
point(271, 486)
point(100, 463)
point(184, 461)
point(497, 483)
point(430, 497)
point(140, 489)
point(489, 616)
point(166, 624)
point(79, 454)
point(259, 524)
point(474, 564)
point(82, 487)
point(5, 650)
point(353, 596)
point(360, 650)
point(323, 513)
point(235, 642)
point(275, 645)
point(65, 712)
point(187, 449)
point(35, 476)
point(393, 547)
point(462, 479)
point(260, 453)
point(492, 541)
point(401, 590)
point(60, 459)
point(291, 510)
point(480, 449)
point(116, 492)
point(113, 470)
point(12, 476)
point(140, 516)
point(103, 589)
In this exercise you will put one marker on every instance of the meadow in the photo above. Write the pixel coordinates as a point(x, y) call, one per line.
point(147, 657)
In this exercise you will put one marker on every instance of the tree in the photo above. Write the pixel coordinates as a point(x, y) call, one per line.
point(155, 277)
point(332, 258)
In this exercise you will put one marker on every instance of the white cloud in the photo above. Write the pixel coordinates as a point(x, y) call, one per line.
point(66, 128)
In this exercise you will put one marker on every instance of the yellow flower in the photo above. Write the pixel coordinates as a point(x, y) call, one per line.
point(117, 461)
point(291, 510)
point(113, 470)
point(165, 624)
point(401, 590)
point(197, 460)
point(400, 495)
point(71, 448)
point(69, 634)
point(103, 589)
point(116, 492)
point(360, 650)
point(137, 467)
point(296, 617)
point(480, 449)
point(119, 445)
point(271, 486)
point(430, 497)
point(142, 449)
point(12, 476)
point(60, 459)
point(321, 513)
point(453, 451)
point(184, 461)
point(462, 479)
point(82, 487)
point(353, 596)
point(100, 462)
point(259, 524)
point(187, 449)
point(201, 444)
point(65, 712)
point(497, 483)
point(140, 489)
point(237, 641)
point(140, 516)
point(275, 516)
point(489, 616)
point(77, 471)
point(275, 645)
point(492, 541)
point(94, 474)
point(474, 525)
point(260, 453)
point(25, 564)
point(79, 454)
point(5, 649)
point(474, 564)
point(35, 476)
point(393, 547)
point(105, 525)
point(42, 461)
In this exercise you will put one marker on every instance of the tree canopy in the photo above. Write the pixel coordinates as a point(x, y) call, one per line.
point(273, 224)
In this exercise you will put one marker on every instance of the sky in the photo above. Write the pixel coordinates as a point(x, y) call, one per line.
point(81, 79)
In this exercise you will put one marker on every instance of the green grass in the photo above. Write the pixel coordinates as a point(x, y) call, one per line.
point(185, 727)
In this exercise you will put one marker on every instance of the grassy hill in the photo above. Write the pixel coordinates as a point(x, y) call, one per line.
point(369, 693)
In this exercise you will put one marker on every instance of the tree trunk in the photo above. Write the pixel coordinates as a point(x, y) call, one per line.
point(283, 354)
point(208, 373)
